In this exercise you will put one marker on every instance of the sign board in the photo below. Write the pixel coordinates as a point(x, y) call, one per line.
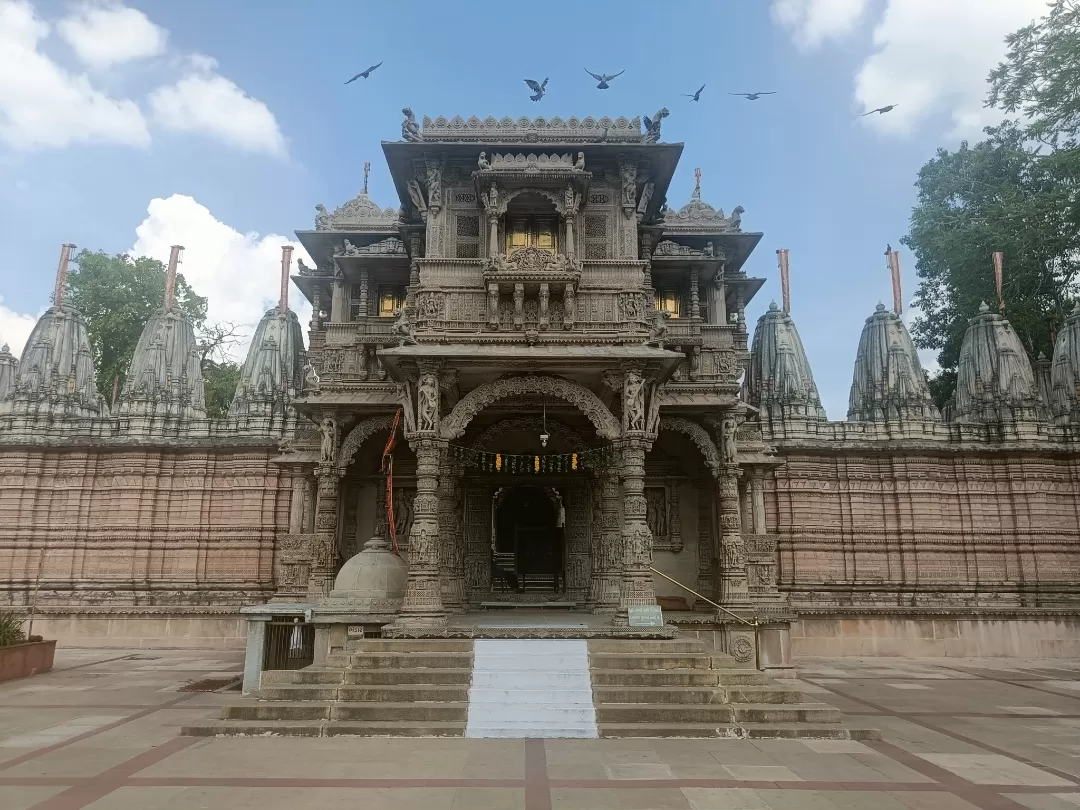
point(356, 631)
point(645, 616)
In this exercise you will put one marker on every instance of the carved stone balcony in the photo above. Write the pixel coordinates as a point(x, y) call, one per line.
point(532, 266)
point(367, 329)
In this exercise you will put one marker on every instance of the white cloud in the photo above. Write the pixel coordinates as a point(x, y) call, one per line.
point(42, 105)
point(812, 22)
point(103, 36)
point(933, 57)
point(214, 105)
point(15, 328)
point(237, 273)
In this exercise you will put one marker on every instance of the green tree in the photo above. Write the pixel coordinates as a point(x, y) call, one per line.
point(998, 195)
point(220, 380)
point(1040, 77)
point(117, 295)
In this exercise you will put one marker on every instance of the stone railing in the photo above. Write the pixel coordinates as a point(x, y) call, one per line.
point(366, 329)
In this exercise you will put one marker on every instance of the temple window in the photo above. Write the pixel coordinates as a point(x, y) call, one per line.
point(668, 300)
point(391, 299)
point(531, 231)
point(355, 295)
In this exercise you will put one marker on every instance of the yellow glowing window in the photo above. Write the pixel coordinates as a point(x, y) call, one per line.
point(668, 301)
point(531, 232)
point(391, 299)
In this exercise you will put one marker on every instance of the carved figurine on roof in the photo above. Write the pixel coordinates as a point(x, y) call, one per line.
point(409, 130)
point(652, 125)
point(699, 214)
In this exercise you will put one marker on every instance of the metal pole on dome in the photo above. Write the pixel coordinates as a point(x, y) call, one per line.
point(286, 266)
point(785, 278)
point(62, 274)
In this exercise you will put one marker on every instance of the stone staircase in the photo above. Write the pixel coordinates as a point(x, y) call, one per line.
point(377, 689)
point(679, 689)
point(405, 688)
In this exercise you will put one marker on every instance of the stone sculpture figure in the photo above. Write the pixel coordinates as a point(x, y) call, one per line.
point(349, 249)
point(311, 379)
point(329, 439)
point(579, 164)
point(493, 197)
point(634, 401)
point(658, 330)
point(433, 174)
point(323, 220)
point(427, 406)
point(416, 196)
point(409, 130)
point(408, 414)
point(403, 328)
point(735, 220)
point(708, 251)
point(483, 162)
point(652, 125)
point(727, 440)
point(646, 198)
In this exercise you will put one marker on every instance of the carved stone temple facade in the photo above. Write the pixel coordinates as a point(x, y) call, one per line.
point(557, 364)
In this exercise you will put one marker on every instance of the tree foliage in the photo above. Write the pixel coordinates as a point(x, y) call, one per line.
point(118, 294)
point(1040, 76)
point(1015, 192)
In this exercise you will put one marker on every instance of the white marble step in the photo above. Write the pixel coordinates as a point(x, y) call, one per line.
point(531, 688)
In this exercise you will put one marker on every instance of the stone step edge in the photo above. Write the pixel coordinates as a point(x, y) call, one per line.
point(323, 728)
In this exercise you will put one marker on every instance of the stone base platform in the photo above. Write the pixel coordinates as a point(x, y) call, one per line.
point(524, 622)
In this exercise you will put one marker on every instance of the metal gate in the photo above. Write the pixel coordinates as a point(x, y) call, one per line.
point(289, 645)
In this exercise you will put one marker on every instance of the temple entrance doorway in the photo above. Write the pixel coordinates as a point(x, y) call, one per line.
point(528, 543)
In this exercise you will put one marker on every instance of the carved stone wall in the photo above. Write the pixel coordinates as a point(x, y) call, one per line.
point(147, 529)
point(887, 530)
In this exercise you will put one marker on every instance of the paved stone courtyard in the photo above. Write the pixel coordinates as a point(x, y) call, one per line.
point(101, 732)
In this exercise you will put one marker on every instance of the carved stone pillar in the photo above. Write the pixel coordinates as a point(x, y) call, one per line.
point(298, 502)
point(674, 519)
point(596, 534)
point(733, 585)
point(607, 562)
point(364, 358)
point(451, 541)
point(757, 498)
point(493, 233)
point(519, 306)
point(578, 565)
point(544, 297)
point(325, 546)
point(310, 494)
point(493, 305)
point(363, 299)
point(422, 606)
point(695, 305)
point(646, 255)
point(571, 215)
point(338, 306)
point(569, 307)
point(636, 586)
point(380, 371)
point(706, 583)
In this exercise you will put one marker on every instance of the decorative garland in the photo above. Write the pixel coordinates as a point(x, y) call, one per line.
point(514, 464)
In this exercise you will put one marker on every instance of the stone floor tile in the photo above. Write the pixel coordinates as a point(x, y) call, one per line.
point(617, 799)
point(778, 799)
point(926, 800)
point(24, 798)
point(724, 799)
point(641, 770)
point(298, 798)
point(488, 799)
point(763, 773)
point(993, 769)
point(909, 686)
point(837, 746)
point(1028, 710)
point(1047, 801)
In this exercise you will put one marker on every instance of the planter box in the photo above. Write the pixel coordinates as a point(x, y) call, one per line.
point(29, 658)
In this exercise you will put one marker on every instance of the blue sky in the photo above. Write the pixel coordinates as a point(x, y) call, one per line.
point(241, 107)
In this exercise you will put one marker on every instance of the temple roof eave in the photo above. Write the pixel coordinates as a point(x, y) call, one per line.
point(737, 247)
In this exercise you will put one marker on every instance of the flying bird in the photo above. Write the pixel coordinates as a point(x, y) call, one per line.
point(694, 96)
point(881, 110)
point(754, 96)
point(538, 89)
point(363, 75)
point(603, 78)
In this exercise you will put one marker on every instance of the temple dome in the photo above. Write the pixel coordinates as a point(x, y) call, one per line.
point(270, 378)
point(995, 381)
point(1065, 372)
point(889, 384)
point(165, 375)
point(779, 381)
point(9, 367)
point(56, 372)
point(698, 214)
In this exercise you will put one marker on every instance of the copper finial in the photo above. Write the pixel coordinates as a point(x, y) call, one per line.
point(893, 258)
point(785, 278)
point(286, 266)
point(697, 185)
point(176, 255)
point(367, 171)
point(62, 274)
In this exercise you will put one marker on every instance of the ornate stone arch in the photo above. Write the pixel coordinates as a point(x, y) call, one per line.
point(555, 199)
point(503, 426)
point(607, 426)
point(357, 436)
point(698, 435)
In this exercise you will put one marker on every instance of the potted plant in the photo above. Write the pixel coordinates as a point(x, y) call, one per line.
point(21, 656)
